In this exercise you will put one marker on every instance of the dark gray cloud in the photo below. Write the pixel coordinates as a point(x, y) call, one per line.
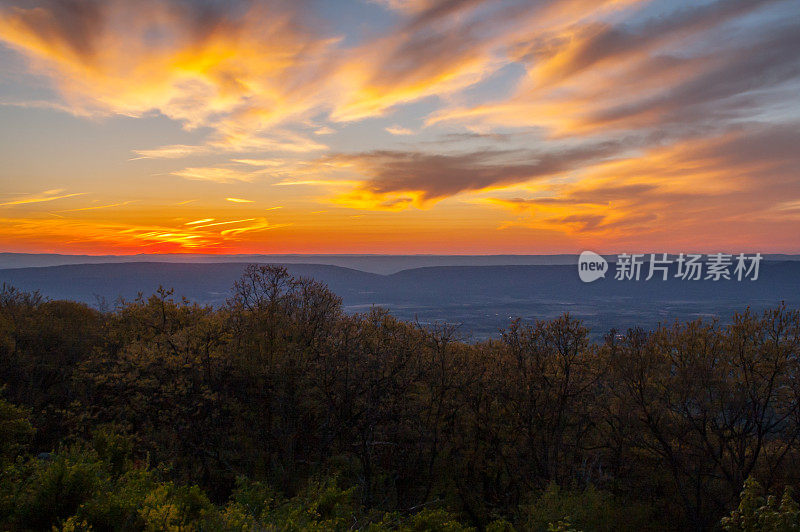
point(756, 170)
point(597, 42)
point(78, 25)
point(73, 23)
point(724, 90)
point(440, 175)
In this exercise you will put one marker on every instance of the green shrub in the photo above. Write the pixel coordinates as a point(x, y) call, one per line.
point(589, 509)
point(15, 430)
point(757, 513)
point(43, 492)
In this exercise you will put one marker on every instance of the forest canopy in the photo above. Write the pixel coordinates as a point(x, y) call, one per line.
point(279, 411)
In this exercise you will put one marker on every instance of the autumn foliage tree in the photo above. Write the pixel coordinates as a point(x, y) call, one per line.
point(278, 407)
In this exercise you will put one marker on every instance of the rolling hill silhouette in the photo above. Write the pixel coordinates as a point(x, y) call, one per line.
point(480, 298)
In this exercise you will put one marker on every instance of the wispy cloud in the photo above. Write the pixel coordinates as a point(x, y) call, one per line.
point(399, 130)
point(215, 174)
point(672, 74)
point(175, 151)
point(200, 235)
point(201, 221)
point(319, 182)
point(265, 163)
point(50, 195)
point(95, 207)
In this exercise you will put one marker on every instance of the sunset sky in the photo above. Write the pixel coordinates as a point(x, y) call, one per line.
point(399, 126)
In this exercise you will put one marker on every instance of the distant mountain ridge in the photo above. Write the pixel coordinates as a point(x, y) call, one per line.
point(481, 298)
point(384, 264)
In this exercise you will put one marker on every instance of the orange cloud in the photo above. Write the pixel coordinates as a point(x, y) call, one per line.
point(399, 130)
point(247, 69)
point(573, 119)
point(50, 195)
point(232, 71)
point(215, 174)
point(399, 179)
point(79, 229)
point(727, 189)
point(667, 74)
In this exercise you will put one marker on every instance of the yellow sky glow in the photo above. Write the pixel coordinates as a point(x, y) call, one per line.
point(425, 127)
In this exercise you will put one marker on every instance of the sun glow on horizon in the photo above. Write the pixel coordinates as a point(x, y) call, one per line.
point(474, 127)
